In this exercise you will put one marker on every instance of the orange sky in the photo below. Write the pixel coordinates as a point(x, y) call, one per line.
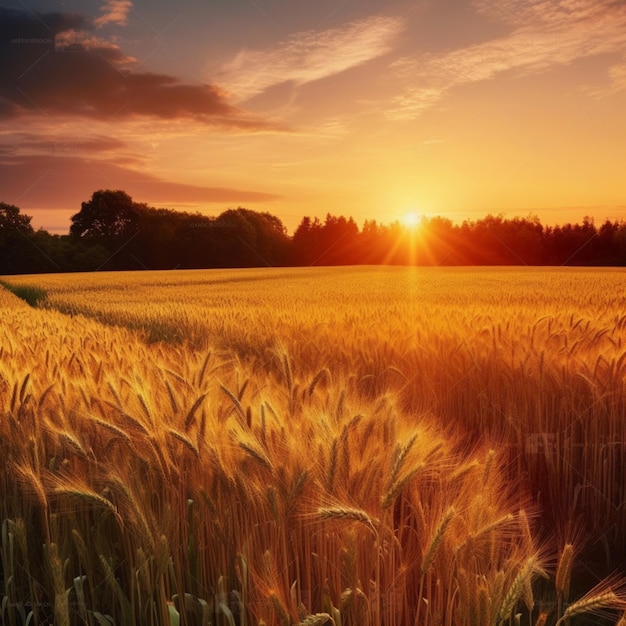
point(367, 108)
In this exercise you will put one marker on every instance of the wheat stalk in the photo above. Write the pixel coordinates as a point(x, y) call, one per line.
point(81, 493)
point(348, 513)
point(258, 456)
point(395, 488)
point(190, 417)
point(445, 522)
point(514, 593)
point(323, 373)
point(592, 604)
point(525, 527)
point(564, 571)
point(182, 438)
point(236, 403)
point(61, 602)
point(399, 457)
point(116, 430)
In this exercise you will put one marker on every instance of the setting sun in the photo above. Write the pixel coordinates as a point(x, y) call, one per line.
point(411, 220)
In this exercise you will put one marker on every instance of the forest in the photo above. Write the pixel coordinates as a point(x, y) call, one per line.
point(113, 232)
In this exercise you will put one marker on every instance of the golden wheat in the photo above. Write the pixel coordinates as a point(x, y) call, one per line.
point(370, 429)
point(592, 604)
point(564, 571)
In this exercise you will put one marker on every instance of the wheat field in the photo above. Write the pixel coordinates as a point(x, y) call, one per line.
point(348, 446)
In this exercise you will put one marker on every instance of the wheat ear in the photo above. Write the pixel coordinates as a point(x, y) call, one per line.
point(564, 571)
point(437, 537)
point(347, 513)
point(517, 586)
point(591, 604)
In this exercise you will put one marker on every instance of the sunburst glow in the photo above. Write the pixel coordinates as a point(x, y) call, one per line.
point(411, 220)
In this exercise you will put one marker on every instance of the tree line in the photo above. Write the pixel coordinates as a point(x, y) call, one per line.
point(113, 232)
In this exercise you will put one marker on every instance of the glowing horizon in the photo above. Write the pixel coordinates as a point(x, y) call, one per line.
point(355, 109)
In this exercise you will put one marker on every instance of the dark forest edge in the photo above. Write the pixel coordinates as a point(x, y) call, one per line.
point(113, 232)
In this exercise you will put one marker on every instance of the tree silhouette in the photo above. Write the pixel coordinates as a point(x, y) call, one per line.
point(111, 231)
point(108, 218)
point(12, 221)
point(15, 230)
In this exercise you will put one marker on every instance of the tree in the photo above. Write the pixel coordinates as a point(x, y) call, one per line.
point(338, 240)
point(371, 249)
point(109, 218)
point(15, 230)
point(12, 222)
point(248, 238)
point(272, 242)
point(438, 242)
point(306, 241)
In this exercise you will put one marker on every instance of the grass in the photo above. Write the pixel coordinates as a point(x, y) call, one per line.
point(29, 293)
point(381, 446)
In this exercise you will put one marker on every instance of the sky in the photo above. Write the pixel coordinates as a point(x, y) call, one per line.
point(366, 108)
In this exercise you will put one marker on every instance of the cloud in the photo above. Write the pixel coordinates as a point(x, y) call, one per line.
point(84, 41)
point(523, 12)
point(546, 33)
point(63, 182)
point(617, 74)
point(82, 75)
point(309, 56)
point(29, 143)
point(16, 24)
point(114, 12)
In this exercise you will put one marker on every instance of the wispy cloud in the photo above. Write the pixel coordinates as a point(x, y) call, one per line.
point(546, 33)
point(59, 144)
point(617, 74)
point(82, 40)
point(114, 12)
point(308, 56)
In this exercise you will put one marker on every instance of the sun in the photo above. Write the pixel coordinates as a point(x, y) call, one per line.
point(411, 220)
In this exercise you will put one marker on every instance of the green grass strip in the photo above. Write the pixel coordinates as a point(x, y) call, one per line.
point(31, 295)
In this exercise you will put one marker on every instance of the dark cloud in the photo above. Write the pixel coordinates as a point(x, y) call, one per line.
point(25, 25)
point(63, 182)
point(90, 77)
